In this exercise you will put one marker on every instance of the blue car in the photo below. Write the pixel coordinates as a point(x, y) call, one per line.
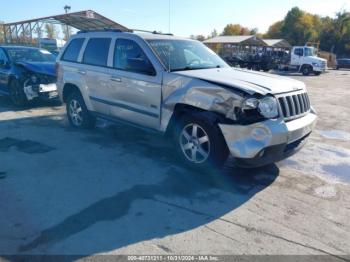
point(27, 73)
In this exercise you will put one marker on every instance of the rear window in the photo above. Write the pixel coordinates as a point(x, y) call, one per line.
point(96, 52)
point(72, 52)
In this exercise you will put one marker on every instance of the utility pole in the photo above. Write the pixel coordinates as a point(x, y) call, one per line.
point(67, 8)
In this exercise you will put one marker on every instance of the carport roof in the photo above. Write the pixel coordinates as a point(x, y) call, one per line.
point(238, 39)
point(83, 20)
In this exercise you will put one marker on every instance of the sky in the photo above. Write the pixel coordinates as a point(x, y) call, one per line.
point(187, 17)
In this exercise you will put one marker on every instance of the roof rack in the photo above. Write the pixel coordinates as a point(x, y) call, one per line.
point(151, 32)
point(104, 30)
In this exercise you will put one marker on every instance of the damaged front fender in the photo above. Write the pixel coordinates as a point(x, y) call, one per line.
point(199, 94)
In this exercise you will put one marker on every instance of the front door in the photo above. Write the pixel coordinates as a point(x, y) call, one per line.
point(136, 85)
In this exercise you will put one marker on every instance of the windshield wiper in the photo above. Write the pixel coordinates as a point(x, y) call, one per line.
point(188, 68)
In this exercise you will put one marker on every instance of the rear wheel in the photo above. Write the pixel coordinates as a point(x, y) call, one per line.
point(200, 144)
point(77, 112)
point(17, 95)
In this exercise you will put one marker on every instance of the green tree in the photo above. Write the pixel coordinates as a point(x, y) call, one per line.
point(275, 30)
point(300, 27)
point(236, 29)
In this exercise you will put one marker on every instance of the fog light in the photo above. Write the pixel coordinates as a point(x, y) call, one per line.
point(261, 154)
point(259, 134)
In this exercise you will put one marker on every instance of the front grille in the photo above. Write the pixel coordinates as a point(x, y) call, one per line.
point(294, 105)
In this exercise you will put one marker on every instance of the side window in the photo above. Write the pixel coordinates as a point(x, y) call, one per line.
point(96, 52)
point(128, 56)
point(299, 51)
point(72, 52)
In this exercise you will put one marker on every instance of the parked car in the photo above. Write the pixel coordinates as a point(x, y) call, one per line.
point(27, 73)
point(343, 63)
point(180, 88)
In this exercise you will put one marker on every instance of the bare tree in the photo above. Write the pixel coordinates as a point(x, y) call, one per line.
point(51, 31)
point(2, 36)
point(67, 32)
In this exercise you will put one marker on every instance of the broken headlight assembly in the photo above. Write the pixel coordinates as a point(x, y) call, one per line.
point(265, 107)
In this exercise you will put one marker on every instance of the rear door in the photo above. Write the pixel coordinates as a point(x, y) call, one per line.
point(136, 84)
point(97, 73)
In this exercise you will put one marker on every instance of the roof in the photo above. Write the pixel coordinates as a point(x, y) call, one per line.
point(279, 43)
point(237, 39)
point(83, 20)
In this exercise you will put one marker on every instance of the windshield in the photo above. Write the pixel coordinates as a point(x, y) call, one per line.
point(309, 51)
point(30, 55)
point(182, 55)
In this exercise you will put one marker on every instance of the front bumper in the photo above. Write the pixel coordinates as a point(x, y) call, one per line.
point(44, 91)
point(269, 141)
point(321, 69)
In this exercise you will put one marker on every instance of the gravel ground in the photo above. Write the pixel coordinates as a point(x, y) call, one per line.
point(118, 190)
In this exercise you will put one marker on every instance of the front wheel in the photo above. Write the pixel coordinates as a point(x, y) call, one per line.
point(200, 144)
point(306, 70)
point(77, 112)
point(317, 73)
point(17, 95)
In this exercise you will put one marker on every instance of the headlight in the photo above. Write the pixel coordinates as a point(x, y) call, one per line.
point(316, 64)
point(251, 103)
point(268, 107)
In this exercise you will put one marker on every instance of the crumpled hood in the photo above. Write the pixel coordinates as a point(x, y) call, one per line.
point(45, 68)
point(245, 80)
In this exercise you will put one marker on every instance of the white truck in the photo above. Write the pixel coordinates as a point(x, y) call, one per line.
point(304, 59)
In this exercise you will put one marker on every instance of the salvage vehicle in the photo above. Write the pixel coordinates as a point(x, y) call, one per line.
point(343, 63)
point(27, 73)
point(180, 88)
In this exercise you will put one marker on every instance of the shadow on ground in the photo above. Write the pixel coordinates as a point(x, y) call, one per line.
point(7, 106)
point(182, 201)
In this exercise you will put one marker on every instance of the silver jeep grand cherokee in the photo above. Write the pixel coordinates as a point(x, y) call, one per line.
point(181, 88)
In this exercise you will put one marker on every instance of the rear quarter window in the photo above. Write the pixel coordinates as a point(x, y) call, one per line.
point(72, 52)
point(96, 51)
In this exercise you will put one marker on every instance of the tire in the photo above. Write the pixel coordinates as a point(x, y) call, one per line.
point(199, 144)
point(77, 112)
point(17, 95)
point(317, 73)
point(306, 70)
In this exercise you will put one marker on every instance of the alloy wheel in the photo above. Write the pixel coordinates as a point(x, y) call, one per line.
point(195, 143)
point(76, 112)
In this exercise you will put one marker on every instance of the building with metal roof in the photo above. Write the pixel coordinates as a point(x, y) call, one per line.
point(277, 43)
point(250, 40)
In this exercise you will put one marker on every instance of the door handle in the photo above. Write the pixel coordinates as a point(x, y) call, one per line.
point(116, 79)
point(82, 72)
